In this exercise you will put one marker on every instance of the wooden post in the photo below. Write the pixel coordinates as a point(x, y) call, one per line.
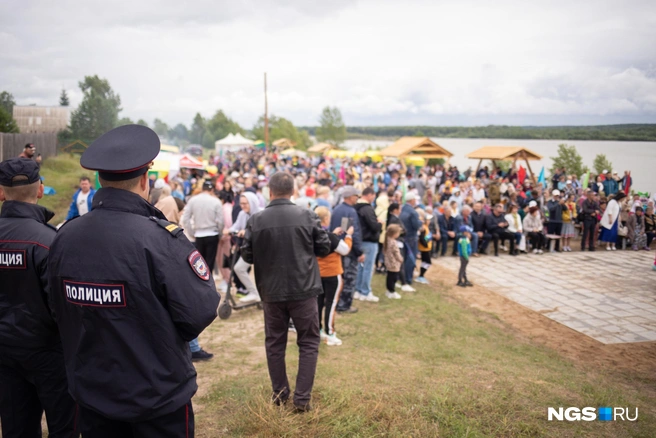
point(266, 115)
point(478, 167)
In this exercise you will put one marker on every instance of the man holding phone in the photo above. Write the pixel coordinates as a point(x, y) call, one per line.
point(345, 216)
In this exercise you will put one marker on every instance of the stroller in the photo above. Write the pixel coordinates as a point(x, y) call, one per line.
point(228, 304)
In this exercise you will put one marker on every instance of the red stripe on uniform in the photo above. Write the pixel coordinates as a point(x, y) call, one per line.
point(25, 241)
point(187, 419)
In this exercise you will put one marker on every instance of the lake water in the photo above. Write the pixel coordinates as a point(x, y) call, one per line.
point(639, 157)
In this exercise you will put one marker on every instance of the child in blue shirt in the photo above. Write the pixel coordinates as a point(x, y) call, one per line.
point(464, 251)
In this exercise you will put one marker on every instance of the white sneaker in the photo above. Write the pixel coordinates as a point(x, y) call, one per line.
point(613, 248)
point(393, 295)
point(359, 296)
point(322, 335)
point(250, 298)
point(540, 251)
point(535, 251)
point(421, 280)
point(398, 285)
point(223, 286)
point(371, 298)
point(333, 340)
point(608, 248)
point(408, 288)
point(504, 248)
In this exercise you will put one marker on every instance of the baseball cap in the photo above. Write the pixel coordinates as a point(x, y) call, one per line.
point(350, 191)
point(604, 171)
point(207, 185)
point(532, 204)
point(410, 196)
point(569, 181)
point(465, 229)
point(18, 172)
point(555, 193)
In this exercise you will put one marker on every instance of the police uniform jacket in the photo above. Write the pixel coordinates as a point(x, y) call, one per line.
point(129, 291)
point(25, 319)
point(283, 242)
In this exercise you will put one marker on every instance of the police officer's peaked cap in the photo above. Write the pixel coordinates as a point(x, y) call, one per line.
point(18, 172)
point(122, 153)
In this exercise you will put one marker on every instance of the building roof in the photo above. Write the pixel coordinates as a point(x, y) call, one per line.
point(504, 153)
point(423, 147)
point(321, 148)
point(284, 142)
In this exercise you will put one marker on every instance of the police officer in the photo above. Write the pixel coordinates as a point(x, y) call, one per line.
point(32, 373)
point(129, 293)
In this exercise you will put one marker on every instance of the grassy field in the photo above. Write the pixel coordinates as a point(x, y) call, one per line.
point(62, 173)
point(424, 366)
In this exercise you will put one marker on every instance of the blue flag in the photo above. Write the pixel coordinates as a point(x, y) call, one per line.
point(541, 179)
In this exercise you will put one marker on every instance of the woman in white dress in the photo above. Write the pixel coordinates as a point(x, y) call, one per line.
point(609, 222)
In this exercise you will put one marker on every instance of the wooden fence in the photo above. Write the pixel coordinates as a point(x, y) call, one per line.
point(11, 145)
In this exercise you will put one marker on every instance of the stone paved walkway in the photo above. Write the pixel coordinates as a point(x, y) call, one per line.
point(582, 290)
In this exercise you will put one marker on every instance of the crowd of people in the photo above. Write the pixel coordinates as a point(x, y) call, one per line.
point(397, 221)
point(115, 299)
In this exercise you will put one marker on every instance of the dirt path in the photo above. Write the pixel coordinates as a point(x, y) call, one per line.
point(637, 358)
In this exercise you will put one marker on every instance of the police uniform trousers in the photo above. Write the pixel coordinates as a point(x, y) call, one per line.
point(178, 424)
point(31, 382)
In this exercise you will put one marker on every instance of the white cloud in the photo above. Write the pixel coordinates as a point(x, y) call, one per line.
point(379, 61)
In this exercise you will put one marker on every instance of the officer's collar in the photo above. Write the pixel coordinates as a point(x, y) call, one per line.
point(123, 200)
point(26, 210)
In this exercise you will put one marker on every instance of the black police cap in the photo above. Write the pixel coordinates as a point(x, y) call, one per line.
point(122, 153)
point(18, 172)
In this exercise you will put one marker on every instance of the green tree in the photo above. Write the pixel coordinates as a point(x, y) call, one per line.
point(332, 129)
point(198, 128)
point(142, 122)
point(7, 122)
point(125, 121)
point(279, 127)
point(7, 102)
point(568, 158)
point(63, 98)
point(160, 128)
point(221, 125)
point(179, 132)
point(208, 140)
point(98, 111)
point(601, 163)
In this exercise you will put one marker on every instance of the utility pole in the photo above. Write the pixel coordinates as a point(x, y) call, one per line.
point(266, 115)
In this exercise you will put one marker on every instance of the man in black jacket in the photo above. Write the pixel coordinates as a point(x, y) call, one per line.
point(129, 291)
point(555, 207)
point(283, 242)
point(371, 229)
point(478, 221)
point(497, 226)
point(32, 372)
point(589, 211)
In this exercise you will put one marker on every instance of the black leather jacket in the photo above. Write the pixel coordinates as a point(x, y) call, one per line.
point(283, 242)
point(25, 239)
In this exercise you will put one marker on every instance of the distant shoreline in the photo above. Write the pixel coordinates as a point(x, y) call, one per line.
point(625, 132)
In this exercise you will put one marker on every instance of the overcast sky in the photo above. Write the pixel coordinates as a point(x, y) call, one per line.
point(381, 62)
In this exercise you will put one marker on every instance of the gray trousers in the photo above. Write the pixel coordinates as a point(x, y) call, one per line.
point(305, 316)
point(462, 274)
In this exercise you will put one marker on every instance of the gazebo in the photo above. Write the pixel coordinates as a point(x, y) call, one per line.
point(284, 143)
point(232, 142)
point(504, 153)
point(321, 148)
point(423, 147)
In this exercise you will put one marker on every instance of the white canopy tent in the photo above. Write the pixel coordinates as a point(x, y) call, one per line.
point(232, 142)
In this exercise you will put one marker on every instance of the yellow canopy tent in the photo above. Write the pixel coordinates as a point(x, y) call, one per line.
point(321, 148)
point(505, 153)
point(415, 161)
point(336, 153)
point(169, 148)
point(422, 147)
point(284, 143)
point(374, 155)
point(160, 168)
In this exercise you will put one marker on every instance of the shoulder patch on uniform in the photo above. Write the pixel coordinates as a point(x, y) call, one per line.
point(168, 226)
point(198, 265)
